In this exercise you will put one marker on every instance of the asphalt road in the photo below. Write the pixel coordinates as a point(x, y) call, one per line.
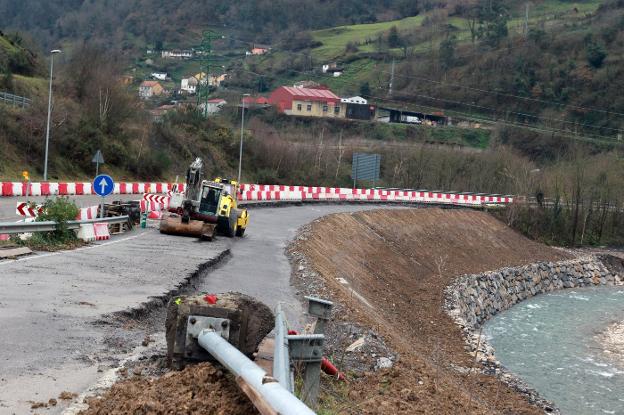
point(53, 331)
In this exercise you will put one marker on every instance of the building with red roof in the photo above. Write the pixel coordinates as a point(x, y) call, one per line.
point(307, 102)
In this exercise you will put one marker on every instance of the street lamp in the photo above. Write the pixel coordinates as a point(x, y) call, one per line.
point(240, 153)
point(45, 165)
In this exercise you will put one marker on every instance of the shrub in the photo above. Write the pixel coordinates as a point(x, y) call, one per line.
point(59, 210)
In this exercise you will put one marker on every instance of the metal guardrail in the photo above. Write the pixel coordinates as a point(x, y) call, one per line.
point(281, 358)
point(49, 226)
point(15, 100)
point(270, 396)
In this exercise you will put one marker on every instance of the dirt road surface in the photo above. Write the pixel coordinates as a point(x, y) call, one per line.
point(55, 311)
point(389, 270)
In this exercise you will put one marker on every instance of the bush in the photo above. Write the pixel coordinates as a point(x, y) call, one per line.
point(59, 210)
point(596, 54)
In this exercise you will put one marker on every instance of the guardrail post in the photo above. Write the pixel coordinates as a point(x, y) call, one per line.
point(281, 359)
point(308, 349)
point(321, 309)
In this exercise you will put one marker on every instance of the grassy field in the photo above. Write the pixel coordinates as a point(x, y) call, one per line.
point(335, 40)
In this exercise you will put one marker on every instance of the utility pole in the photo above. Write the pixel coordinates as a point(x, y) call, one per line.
point(240, 150)
point(47, 142)
point(526, 19)
point(206, 48)
point(391, 79)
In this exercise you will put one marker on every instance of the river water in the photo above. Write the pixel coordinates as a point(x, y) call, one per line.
point(550, 341)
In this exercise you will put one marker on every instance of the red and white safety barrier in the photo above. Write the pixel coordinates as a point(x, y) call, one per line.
point(8, 189)
point(101, 231)
point(154, 205)
point(258, 192)
point(87, 213)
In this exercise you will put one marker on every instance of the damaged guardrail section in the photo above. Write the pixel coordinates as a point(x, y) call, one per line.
point(229, 328)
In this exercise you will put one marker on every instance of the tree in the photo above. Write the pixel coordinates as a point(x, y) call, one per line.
point(394, 40)
point(493, 18)
point(596, 54)
point(447, 53)
point(365, 90)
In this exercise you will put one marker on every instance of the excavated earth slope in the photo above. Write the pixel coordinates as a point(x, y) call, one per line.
point(400, 261)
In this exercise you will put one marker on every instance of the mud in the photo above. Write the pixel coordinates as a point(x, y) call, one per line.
point(388, 270)
point(198, 389)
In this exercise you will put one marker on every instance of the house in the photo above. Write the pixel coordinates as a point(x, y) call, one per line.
point(257, 50)
point(213, 106)
point(176, 54)
point(201, 78)
point(189, 85)
point(356, 111)
point(307, 102)
point(333, 69)
point(161, 76)
point(148, 89)
point(216, 80)
point(354, 100)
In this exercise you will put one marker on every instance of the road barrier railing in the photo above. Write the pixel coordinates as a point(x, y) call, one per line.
point(49, 226)
point(266, 393)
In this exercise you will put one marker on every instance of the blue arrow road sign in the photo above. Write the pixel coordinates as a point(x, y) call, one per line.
point(103, 185)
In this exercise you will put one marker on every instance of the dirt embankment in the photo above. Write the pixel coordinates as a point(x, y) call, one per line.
point(198, 389)
point(400, 261)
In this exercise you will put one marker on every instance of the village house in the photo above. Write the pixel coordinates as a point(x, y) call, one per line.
point(257, 50)
point(189, 85)
point(307, 102)
point(148, 89)
point(177, 54)
point(213, 106)
point(160, 76)
point(333, 69)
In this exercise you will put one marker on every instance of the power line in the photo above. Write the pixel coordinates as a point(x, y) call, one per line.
point(563, 133)
point(567, 132)
point(486, 91)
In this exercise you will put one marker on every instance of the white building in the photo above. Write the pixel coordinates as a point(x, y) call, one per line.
point(177, 54)
point(189, 85)
point(354, 100)
point(213, 106)
point(161, 76)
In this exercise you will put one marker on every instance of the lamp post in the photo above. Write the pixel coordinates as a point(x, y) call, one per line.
point(240, 152)
point(45, 165)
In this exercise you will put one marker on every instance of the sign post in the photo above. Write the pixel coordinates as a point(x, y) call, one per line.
point(103, 185)
point(98, 159)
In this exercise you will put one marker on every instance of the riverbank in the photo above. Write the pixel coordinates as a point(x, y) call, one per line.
point(387, 271)
point(473, 299)
point(612, 341)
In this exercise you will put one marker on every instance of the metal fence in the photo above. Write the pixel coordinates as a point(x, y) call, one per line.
point(15, 100)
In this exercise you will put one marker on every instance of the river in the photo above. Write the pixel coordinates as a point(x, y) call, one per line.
point(552, 342)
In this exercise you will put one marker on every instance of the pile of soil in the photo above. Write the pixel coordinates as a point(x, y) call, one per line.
point(198, 389)
point(399, 262)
